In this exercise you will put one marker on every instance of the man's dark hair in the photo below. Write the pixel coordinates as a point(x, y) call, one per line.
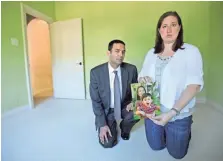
point(159, 46)
point(110, 45)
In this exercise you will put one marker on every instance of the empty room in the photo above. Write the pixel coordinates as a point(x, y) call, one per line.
point(111, 81)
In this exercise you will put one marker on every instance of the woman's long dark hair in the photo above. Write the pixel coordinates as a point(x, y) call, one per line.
point(159, 46)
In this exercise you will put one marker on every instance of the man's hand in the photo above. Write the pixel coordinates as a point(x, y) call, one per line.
point(129, 107)
point(103, 133)
point(145, 79)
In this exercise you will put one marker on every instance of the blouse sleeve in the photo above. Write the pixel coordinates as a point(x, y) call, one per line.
point(145, 65)
point(194, 69)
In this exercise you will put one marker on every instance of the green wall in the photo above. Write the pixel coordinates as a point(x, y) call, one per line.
point(135, 23)
point(13, 82)
point(215, 57)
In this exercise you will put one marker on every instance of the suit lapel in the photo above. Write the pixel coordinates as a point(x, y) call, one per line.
point(124, 75)
point(107, 83)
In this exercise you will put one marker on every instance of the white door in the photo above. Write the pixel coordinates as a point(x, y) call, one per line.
point(67, 59)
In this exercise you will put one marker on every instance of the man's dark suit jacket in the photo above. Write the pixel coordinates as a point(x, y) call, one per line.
point(100, 89)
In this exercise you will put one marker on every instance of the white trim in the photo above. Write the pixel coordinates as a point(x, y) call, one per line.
point(215, 105)
point(26, 9)
point(15, 111)
point(28, 79)
point(88, 96)
point(35, 13)
point(198, 100)
point(201, 100)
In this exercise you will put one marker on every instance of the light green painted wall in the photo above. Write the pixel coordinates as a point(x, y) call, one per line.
point(14, 89)
point(215, 71)
point(135, 23)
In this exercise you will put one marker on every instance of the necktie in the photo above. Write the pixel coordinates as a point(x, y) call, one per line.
point(117, 98)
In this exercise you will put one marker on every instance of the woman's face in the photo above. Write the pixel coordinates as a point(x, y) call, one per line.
point(141, 91)
point(169, 29)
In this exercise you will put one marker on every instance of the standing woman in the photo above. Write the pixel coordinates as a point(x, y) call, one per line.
point(178, 69)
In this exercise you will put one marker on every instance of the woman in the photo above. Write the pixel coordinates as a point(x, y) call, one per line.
point(140, 91)
point(178, 69)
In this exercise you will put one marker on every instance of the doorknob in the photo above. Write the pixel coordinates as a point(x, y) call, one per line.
point(80, 63)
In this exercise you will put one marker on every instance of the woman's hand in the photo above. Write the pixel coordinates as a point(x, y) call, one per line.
point(150, 115)
point(145, 79)
point(163, 118)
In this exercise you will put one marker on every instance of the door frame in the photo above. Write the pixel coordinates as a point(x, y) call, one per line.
point(25, 9)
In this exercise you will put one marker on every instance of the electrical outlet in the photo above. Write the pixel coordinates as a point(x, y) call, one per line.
point(14, 41)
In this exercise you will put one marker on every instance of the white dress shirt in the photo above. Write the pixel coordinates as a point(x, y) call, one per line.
point(185, 68)
point(111, 79)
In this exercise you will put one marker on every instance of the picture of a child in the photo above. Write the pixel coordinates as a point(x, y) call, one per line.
point(145, 107)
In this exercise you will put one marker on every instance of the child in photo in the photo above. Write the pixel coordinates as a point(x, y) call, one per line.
point(145, 107)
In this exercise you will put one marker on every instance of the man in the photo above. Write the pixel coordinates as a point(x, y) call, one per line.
point(110, 93)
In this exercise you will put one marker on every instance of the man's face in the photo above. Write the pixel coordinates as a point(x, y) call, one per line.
point(117, 54)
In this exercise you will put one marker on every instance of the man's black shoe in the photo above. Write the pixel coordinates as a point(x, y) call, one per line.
point(125, 136)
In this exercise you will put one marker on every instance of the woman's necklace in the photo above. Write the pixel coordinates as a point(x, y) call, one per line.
point(164, 57)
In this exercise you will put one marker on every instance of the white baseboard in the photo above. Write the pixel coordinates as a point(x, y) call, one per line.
point(215, 105)
point(88, 96)
point(198, 100)
point(201, 100)
point(15, 111)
